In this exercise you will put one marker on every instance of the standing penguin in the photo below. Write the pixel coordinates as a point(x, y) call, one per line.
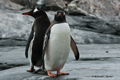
point(57, 45)
point(35, 43)
point(36, 38)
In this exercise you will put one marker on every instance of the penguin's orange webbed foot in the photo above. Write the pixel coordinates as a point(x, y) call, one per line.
point(31, 69)
point(50, 74)
point(60, 73)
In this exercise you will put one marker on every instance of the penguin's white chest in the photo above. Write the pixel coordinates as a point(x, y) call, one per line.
point(58, 47)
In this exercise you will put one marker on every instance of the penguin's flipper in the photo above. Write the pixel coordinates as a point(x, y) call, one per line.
point(28, 43)
point(74, 48)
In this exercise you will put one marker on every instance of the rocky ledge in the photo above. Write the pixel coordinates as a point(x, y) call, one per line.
point(96, 62)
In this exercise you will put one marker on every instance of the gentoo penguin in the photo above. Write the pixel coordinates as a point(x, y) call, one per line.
point(36, 38)
point(37, 19)
point(57, 45)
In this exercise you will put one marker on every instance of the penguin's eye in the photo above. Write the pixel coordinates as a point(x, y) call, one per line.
point(35, 10)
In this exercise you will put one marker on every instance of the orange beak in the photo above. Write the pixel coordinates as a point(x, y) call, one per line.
point(25, 13)
point(59, 14)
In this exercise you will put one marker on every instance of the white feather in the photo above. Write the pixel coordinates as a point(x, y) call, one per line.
point(58, 47)
point(35, 10)
point(30, 49)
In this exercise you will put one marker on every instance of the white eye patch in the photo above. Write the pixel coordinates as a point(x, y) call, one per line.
point(35, 10)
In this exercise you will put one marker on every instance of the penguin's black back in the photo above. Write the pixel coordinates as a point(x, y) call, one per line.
point(40, 27)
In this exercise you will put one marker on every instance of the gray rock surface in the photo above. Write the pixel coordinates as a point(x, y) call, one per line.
point(7, 4)
point(107, 9)
point(83, 37)
point(97, 61)
point(15, 27)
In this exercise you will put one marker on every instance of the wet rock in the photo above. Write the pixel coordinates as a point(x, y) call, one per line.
point(14, 27)
point(4, 66)
point(44, 4)
point(104, 8)
point(83, 37)
point(94, 63)
point(74, 10)
point(7, 4)
point(12, 42)
point(25, 2)
point(51, 4)
point(107, 9)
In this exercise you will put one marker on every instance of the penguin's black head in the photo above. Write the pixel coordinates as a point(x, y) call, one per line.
point(36, 12)
point(60, 16)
